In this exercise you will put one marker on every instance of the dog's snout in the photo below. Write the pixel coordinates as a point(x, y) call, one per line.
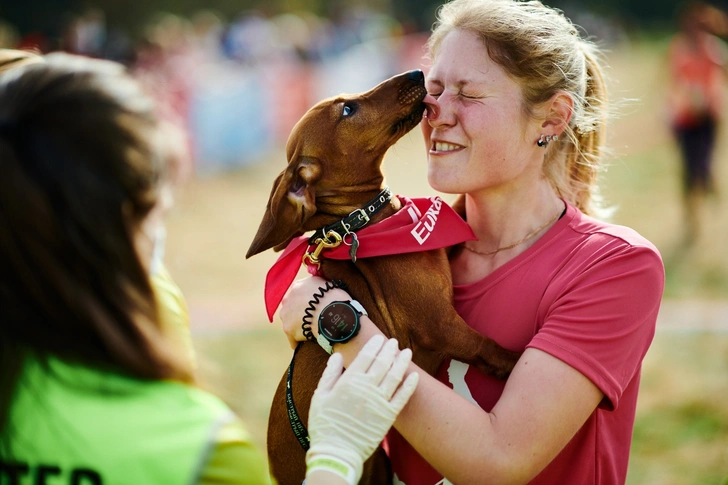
point(416, 75)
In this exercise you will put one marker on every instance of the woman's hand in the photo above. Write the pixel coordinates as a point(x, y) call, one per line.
point(351, 412)
point(296, 301)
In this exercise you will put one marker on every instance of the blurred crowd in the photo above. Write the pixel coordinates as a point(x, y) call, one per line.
point(237, 87)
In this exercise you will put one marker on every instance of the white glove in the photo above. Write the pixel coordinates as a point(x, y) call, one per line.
point(351, 413)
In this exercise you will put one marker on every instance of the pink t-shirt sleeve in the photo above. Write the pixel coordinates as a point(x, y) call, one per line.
point(603, 321)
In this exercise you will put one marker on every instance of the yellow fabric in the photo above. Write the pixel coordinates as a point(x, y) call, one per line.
point(235, 460)
point(113, 428)
point(173, 314)
point(126, 430)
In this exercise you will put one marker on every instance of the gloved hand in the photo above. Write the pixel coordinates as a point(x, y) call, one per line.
point(351, 413)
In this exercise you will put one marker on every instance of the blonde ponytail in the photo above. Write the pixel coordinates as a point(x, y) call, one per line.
point(585, 144)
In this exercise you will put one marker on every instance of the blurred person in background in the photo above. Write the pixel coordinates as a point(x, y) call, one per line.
point(166, 67)
point(92, 387)
point(86, 34)
point(515, 121)
point(696, 100)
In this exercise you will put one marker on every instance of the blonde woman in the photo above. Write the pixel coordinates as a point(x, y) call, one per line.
point(515, 122)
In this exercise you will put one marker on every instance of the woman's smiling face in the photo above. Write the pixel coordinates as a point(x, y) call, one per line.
point(477, 135)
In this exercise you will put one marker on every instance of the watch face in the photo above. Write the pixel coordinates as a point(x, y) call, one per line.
point(338, 322)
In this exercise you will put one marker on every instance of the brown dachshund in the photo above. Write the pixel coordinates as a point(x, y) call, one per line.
point(334, 155)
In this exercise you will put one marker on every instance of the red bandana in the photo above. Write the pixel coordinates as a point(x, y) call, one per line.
point(421, 225)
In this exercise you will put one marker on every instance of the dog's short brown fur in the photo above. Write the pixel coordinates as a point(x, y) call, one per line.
point(334, 167)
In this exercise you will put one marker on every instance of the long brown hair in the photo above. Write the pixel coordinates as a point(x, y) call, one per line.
point(80, 162)
point(543, 51)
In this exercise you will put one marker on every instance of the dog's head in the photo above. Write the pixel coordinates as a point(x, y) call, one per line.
point(335, 153)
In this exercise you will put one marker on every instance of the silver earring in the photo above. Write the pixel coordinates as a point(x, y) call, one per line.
point(546, 139)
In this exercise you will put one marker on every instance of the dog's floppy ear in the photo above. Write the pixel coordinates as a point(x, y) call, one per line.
point(292, 201)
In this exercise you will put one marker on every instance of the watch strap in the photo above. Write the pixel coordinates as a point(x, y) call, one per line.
point(357, 306)
point(325, 344)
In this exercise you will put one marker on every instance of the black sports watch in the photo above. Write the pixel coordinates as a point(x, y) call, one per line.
point(339, 323)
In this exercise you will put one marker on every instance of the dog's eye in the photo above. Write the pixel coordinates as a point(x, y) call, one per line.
point(349, 109)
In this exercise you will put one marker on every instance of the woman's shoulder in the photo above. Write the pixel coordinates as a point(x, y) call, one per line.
point(100, 389)
point(234, 459)
point(598, 231)
point(586, 242)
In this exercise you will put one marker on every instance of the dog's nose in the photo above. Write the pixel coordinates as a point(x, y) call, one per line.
point(417, 75)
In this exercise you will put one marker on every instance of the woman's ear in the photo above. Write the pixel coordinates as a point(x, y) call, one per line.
point(557, 113)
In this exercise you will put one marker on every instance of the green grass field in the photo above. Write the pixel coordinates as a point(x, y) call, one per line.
point(681, 434)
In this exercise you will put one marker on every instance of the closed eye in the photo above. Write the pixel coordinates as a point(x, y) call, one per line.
point(468, 96)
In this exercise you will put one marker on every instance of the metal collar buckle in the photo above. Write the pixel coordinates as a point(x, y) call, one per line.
point(331, 236)
point(363, 217)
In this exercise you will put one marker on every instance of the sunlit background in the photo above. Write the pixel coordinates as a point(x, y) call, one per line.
point(236, 75)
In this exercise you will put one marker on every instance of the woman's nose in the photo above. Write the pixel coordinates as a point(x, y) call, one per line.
point(432, 108)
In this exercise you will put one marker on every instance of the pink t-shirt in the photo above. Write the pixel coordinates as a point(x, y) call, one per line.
point(587, 293)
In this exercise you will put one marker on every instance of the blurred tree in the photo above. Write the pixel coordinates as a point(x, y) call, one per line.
point(49, 16)
point(38, 16)
point(643, 14)
point(638, 14)
point(314, 6)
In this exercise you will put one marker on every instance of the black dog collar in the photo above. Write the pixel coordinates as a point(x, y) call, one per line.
point(357, 219)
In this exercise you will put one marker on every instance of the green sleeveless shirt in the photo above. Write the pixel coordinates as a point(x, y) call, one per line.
point(70, 424)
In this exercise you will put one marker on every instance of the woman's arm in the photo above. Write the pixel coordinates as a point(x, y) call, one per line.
point(544, 404)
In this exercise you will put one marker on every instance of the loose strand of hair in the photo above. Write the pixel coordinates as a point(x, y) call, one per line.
point(584, 156)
